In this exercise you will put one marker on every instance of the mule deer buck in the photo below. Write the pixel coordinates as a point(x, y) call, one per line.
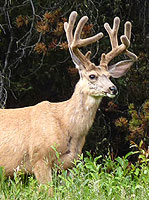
point(28, 135)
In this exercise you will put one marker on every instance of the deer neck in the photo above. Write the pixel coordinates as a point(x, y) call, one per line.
point(80, 111)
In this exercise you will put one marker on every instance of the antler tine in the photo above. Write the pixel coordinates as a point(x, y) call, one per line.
point(117, 49)
point(69, 27)
point(79, 28)
point(84, 42)
point(105, 59)
point(76, 42)
point(113, 32)
point(127, 32)
point(131, 55)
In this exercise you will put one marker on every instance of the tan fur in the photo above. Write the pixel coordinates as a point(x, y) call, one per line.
point(27, 134)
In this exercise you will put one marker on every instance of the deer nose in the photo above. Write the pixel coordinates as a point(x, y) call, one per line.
point(113, 89)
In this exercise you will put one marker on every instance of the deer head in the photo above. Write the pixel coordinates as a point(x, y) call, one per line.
point(96, 79)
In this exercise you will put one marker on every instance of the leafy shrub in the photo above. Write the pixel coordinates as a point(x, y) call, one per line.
point(91, 178)
point(136, 126)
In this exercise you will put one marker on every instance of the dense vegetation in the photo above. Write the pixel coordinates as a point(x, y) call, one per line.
point(35, 65)
point(90, 179)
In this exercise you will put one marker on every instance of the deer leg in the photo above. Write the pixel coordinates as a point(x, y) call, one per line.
point(43, 173)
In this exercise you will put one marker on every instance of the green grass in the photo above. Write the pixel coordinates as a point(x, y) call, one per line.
point(112, 180)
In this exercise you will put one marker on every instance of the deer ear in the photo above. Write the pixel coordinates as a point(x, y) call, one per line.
point(119, 69)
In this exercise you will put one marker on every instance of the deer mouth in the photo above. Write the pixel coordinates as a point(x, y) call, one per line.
point(110, 95)
point(112, 92)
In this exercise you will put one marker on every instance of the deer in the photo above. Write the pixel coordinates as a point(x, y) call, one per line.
point(29, 135)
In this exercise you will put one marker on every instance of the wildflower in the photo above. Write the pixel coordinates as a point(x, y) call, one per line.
point(86, 30)
point(42, 27)
point(20, 20)
point(59, 29)
point(121, 122)
point(40, 48)
point(64, 45)
point(49, 17)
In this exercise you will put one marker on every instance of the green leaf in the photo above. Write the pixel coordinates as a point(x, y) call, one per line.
point(129, 154)
point(140, 144)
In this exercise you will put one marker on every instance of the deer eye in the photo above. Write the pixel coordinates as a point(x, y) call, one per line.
point(92, 76)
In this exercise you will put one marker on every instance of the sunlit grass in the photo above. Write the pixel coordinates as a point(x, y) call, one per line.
point(90, 179)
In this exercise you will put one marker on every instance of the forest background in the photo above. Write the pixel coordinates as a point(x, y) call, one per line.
point(35, 64)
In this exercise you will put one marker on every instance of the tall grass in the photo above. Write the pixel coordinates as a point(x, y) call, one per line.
point(90, 179)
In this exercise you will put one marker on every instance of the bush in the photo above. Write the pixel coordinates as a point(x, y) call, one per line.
point(89, 179)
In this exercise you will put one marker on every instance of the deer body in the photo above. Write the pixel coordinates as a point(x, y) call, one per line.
point(29, 135)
